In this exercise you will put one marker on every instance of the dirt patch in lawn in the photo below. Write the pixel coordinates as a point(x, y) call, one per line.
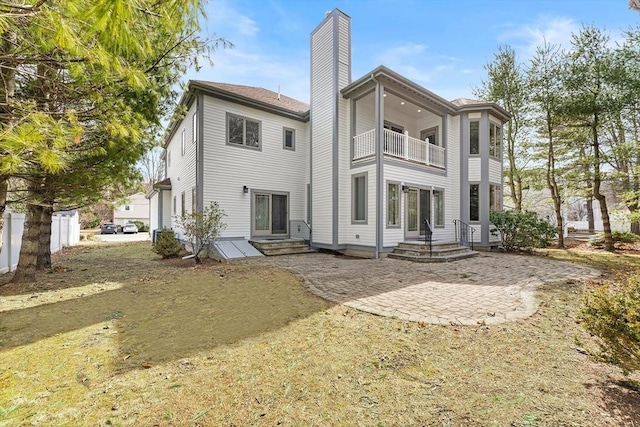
point(133, 340)
point(155, 312)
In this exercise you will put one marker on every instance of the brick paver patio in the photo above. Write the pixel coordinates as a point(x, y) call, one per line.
point(490, 288)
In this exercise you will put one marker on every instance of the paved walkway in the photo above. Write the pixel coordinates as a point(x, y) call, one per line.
point(487, 289)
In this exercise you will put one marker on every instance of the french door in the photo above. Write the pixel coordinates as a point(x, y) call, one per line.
point(270, 214)
point(418, 207)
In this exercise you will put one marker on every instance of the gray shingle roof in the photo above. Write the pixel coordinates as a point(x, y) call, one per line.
point(260, 94)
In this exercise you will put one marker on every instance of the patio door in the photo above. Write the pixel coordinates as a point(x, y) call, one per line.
point(270, 214)
point(418, 207)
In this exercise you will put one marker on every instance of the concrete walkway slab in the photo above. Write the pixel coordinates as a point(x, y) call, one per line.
point(490, 288)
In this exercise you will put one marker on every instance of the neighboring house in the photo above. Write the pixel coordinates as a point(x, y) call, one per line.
point(136, 208)
point(363, 166)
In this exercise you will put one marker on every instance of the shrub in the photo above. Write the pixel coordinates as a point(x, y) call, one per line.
point(522, 230)
point(142, 227)
point(201, 228)
point(166, 244)
point(612, 315)
point(618, 237)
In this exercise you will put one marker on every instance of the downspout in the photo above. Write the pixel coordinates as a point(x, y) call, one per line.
point(379, 111)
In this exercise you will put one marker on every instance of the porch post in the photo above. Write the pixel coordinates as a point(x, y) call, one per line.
point(406, 144)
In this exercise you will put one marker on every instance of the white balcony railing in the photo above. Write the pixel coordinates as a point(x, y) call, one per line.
point(399, 145)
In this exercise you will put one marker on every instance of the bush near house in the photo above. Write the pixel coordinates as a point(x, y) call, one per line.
point(142, 227)
point(522, 231)
point(166, 244)
point(618, 237)
point(612, 315)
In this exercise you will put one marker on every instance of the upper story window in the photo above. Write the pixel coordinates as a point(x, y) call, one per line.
point(168, 159)
point(182, 143)
point(430, 136)
point(495, 141)
point(289, 139)
point(243, 131)
point(127, 208)
point(474, 137)
point(393, 127)
point(194, 127)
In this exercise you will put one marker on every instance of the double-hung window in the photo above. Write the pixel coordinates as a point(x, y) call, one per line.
point(474, 137)
point(194, 128)
point(182, 204)
point(182, 143)
point(495, 198)
point(393, 204)
point(495, 141)
point(289, 139)
point(243, 131)
point(438, 207)
point(474, 202)
point(359, 198)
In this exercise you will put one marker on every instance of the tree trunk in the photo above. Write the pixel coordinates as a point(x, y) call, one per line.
point(590, 220)
point(635, 227)
point(4, 186)
point(44, 247)
point(597, 180)
point(26, 271)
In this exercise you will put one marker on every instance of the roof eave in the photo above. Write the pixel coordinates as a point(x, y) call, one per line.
point(249, 102)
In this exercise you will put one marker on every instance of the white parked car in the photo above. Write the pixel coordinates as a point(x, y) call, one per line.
point(129, 228)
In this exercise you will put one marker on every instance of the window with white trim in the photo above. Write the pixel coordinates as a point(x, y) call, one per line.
point(359, 198)
point(182, 204)
point(182, 143)
point(175, 203)
point(194, 205)
point(243, 131)
point(393, 204)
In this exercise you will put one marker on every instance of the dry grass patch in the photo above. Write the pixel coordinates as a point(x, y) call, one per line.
point(245, 344)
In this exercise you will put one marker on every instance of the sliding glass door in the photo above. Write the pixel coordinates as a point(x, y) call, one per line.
point(270, 214)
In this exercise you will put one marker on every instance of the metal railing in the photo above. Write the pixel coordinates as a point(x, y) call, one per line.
point(428, 236)
point(299, 228)
point(399, 145)
point(464, 233)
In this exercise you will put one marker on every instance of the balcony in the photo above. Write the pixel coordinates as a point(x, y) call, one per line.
point(399, 145)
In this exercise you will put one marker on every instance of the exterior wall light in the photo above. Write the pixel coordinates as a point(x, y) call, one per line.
point(245, 189)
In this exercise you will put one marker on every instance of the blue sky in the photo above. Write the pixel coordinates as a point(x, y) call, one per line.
point(441, 45)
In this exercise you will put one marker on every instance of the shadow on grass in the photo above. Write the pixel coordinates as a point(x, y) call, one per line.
point(622, 399)
point(182, 312)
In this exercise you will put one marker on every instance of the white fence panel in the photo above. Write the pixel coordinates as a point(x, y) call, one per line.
point(65, 231)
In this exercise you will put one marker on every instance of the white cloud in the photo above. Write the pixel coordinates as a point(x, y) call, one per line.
point(552, 30)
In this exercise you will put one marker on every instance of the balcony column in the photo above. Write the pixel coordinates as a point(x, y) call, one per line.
point(427, 152)
point(379, 138)
point(405, 149)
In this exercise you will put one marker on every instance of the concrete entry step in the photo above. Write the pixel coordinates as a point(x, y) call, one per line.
point(271, 247)
point(439, 252)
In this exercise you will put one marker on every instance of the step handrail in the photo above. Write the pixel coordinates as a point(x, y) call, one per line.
point(462, 232)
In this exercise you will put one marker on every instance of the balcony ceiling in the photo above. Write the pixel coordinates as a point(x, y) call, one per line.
point(395, 102)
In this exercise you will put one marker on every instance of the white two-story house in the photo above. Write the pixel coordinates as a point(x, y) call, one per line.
point(371, 163)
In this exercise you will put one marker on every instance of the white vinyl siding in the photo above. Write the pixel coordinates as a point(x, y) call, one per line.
point(495, 170)
point(228, 169)
point(181, 169)
point(475, 169)
point(322, 112)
